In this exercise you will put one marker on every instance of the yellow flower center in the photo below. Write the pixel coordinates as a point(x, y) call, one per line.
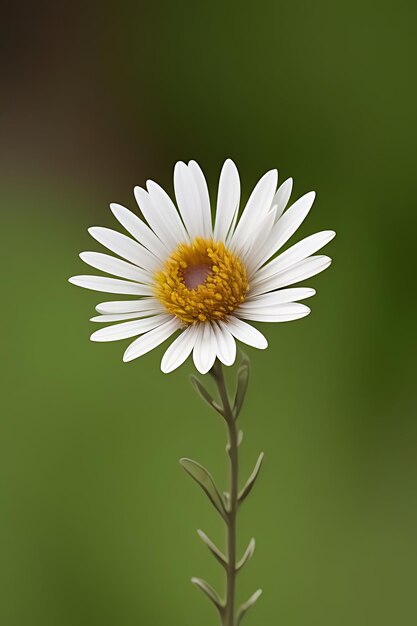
point(201, 281)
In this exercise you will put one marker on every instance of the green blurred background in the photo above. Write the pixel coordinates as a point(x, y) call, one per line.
point(97, 522)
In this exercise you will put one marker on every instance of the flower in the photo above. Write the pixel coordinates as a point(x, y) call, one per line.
point(199, 278)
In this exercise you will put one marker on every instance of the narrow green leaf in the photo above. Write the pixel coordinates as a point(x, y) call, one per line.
point(242, 386)
point(251, 480)
point(247, 605)
point(247, 556)
point(206, 482)
point(202, 391)
point(213, 548)
point(244, 359)
point(212, 595)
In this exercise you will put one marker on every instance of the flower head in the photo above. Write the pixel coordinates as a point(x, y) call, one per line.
point(199, 277)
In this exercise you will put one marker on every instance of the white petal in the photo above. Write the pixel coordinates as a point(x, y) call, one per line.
point(129, 306)
point(278, 313)
point(188, 200)
point(295, 274)
point(117, 267)
point(277, 297)
point(161, 214)
point(198, 345)
point(179, 350)
point(151, 340)
point(205, 348)
point(140, 231)
point(203, 192)
point(125, 247)
point(294, 217)
point(227, 201)
point(271, 317)
point(119, 317)
point(299, 251)
point(254, 246)
point(129, 329)
point(226, 344)
point(286, 226)
point(246, 333)
point(282, 196)
point(258, 205)
point(111, 285)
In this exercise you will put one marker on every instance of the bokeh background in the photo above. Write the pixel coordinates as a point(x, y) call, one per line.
point(97, 522)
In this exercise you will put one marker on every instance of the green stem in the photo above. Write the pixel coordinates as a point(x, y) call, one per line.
point(233, 451)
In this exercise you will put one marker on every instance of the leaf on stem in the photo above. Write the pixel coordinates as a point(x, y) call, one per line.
point(248, 555)
point(247, 605)
point(239, 441)
point(251, 480)
point(242, 384)
point(244, 359)
point(213, 548)
point(204, 394)
point(212, 595)
point(206, 482)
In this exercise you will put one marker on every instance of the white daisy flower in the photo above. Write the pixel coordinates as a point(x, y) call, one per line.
point(201, 278)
